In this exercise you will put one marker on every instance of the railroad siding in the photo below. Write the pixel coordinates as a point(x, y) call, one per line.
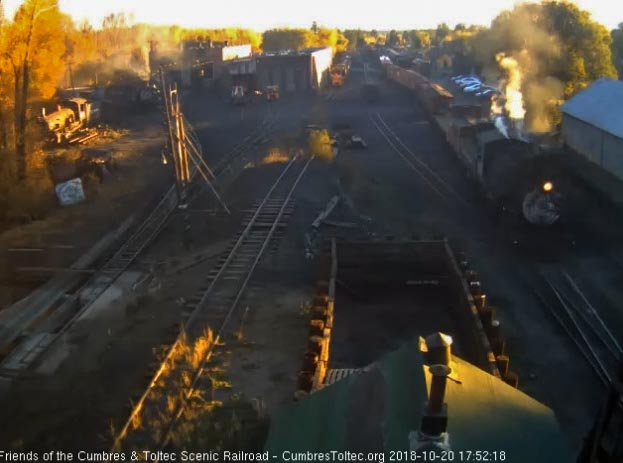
point(418, 283)
point(425, 261)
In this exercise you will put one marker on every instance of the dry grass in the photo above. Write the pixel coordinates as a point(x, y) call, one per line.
point(207, 422)
point(110, 133)
point(275, 155)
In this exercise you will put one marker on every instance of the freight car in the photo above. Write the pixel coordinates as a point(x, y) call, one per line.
point(490, 157)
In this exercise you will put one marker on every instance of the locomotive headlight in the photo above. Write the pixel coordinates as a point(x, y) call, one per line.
point(548, 187)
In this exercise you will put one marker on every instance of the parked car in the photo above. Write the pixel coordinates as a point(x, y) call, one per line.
point(472, 89)
point(468, 83)
point(487, 92)
point(463, 76)
point(357, 142)
point(471, 84)
point(466, 77)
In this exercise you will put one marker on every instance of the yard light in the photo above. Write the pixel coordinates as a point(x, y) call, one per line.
point(548, 187)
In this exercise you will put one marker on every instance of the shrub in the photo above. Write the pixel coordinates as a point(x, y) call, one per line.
point(320, 145)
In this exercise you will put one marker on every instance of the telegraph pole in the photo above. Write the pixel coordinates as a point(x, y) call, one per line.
point(183, 171)
point(183, 146)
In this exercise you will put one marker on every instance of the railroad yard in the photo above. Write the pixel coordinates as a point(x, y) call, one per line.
point(117, 371)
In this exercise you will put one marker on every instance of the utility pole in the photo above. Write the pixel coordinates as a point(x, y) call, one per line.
point(181, 146)
point(182, 159)
point(183, 171)
point(168, 116)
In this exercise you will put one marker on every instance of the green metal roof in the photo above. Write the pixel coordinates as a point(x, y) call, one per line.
point(375, 410)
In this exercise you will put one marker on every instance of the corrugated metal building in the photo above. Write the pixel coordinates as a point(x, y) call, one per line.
point(294, 71)
point(203, 64)
point(242, 72)
point(592, 124)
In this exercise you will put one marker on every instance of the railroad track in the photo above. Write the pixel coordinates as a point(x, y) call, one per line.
point(153, 418)
point(31, 346)
point(258, 135)
point(582, 323)
point(433, 180)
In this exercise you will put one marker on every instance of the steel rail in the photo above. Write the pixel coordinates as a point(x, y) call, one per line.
point(234, 304)
point(617, 347)
point(416, 158)
point(136, 409)
point(597, 362)
point(573, 338)
point(408, 161)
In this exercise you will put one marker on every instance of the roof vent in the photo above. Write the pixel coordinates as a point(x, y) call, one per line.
point(432, 434)
point(438, 348)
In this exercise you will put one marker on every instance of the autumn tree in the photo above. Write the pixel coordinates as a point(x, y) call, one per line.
point(392, 39)
point(81, 53)
point(115, 32)
point(559, 49)
point(425, 39)
point(232, 35)
point(330, 38)
point(341, 43)
point(555, 39)
point(355, 38)
point(442, 31)
point(6, 91)
point(33, 50)
point(287, 39)
point(297, 39)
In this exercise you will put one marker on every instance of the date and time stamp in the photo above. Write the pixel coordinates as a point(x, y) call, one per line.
point(393, 456)
point(448, 455)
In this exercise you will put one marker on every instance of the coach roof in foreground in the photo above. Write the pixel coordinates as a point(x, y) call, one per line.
point(375, 409)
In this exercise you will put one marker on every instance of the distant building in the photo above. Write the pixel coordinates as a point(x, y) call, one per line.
point(294, 71)
point(592, 124)
point(205, 63)
point(400, 58)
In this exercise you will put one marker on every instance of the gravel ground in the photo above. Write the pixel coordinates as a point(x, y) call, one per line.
point(93, 391)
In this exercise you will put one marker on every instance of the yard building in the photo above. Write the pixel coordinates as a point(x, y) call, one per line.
point(592, 124)
point(205, 63)
point(295, 71)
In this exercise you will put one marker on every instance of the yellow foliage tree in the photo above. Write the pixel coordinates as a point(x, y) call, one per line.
point(33, 47)
point(320, 145)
